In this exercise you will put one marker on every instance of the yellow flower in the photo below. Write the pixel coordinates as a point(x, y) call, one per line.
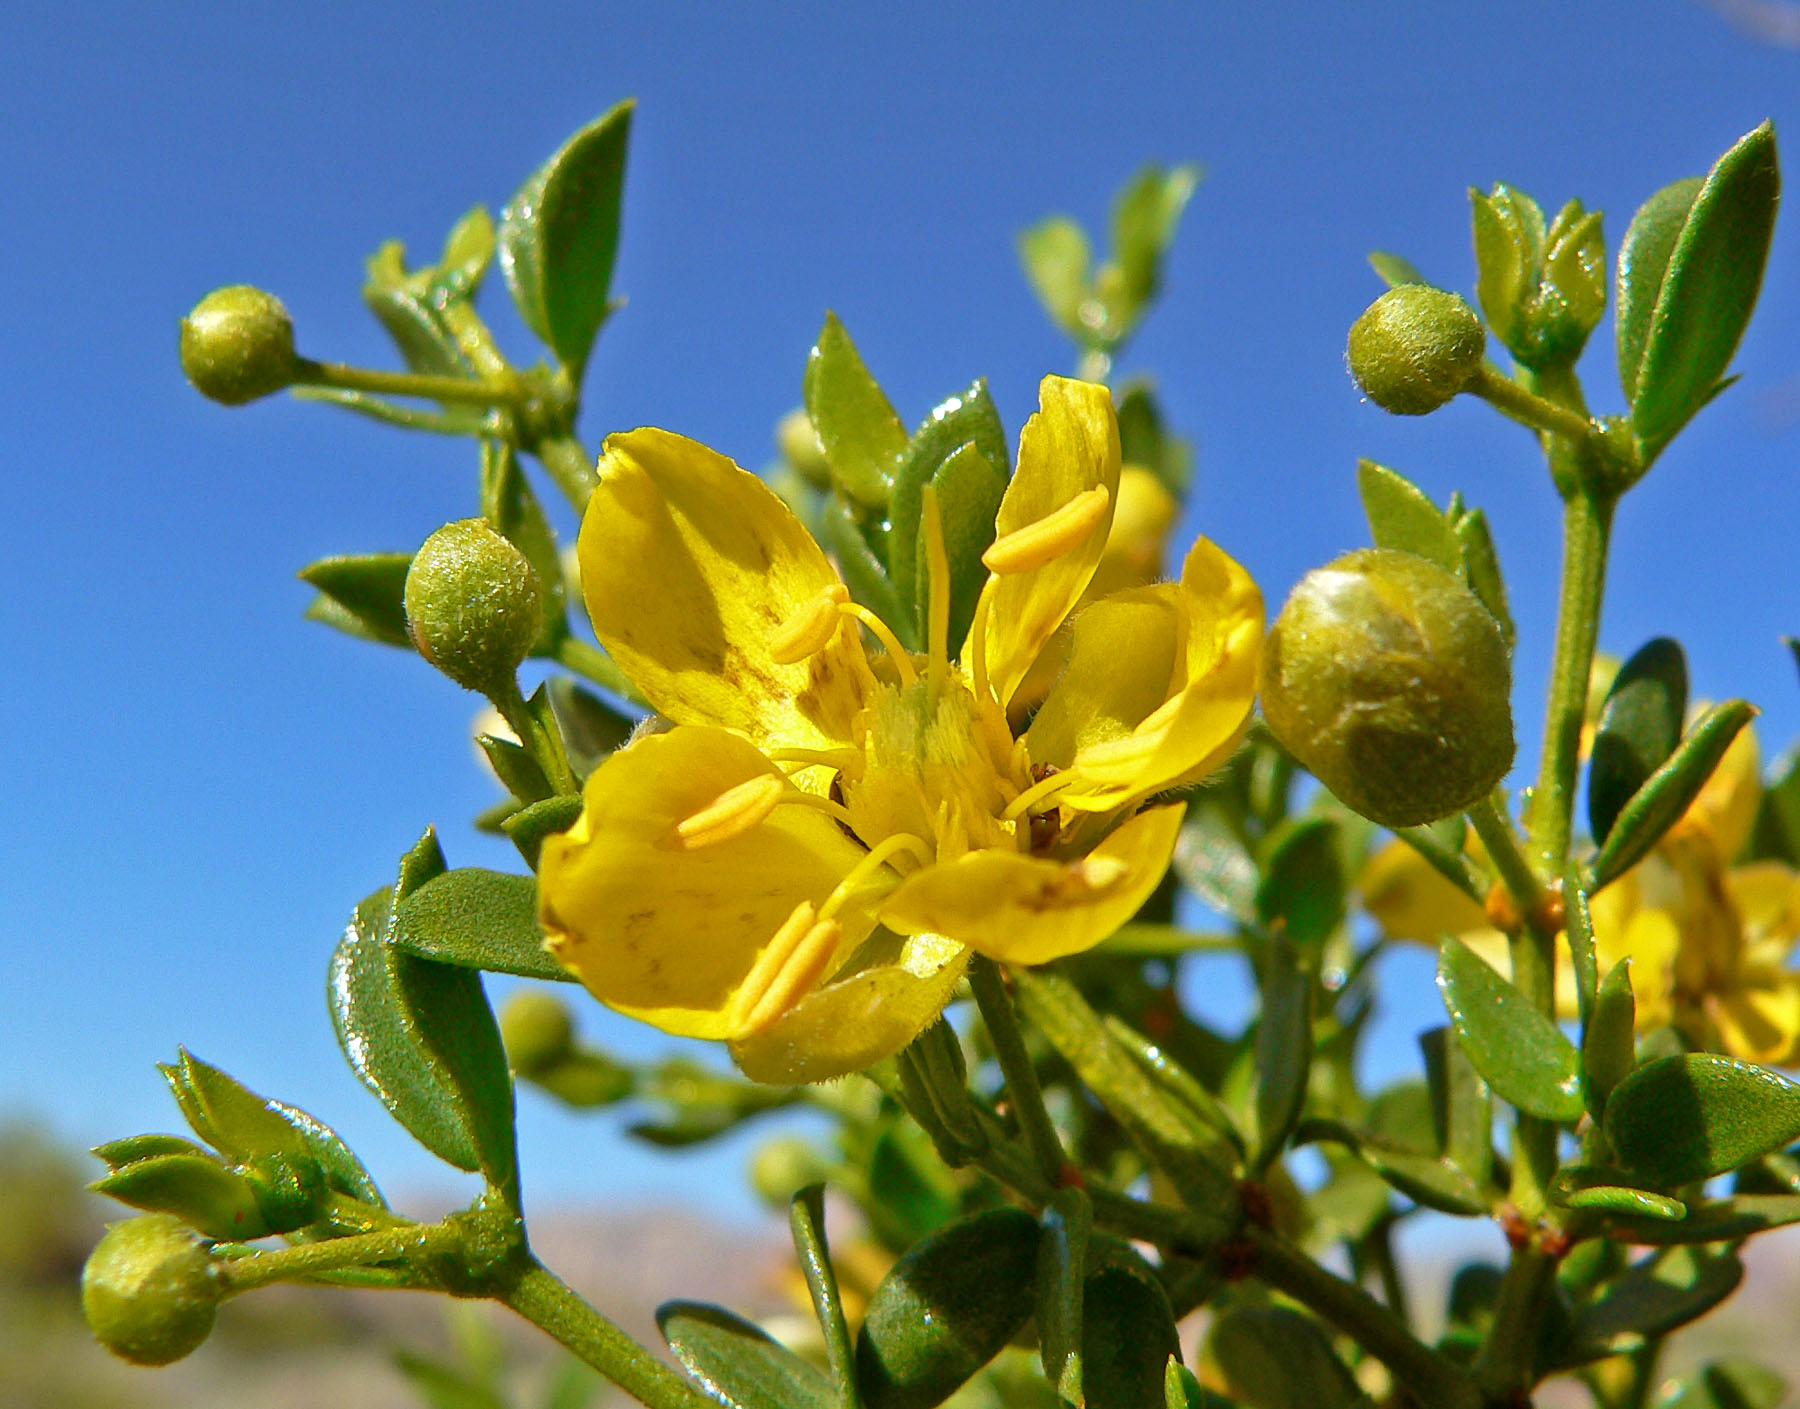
point(1709, 943)
point(803, 864)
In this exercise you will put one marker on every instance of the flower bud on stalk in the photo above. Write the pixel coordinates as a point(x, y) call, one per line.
point(1387, 678)
point(150, 1290)
point(238, 345)
point(472, 605)
point(1415, 348)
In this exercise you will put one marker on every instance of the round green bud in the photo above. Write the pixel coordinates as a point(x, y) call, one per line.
point(473, 605)
point(799, 445)
point(1389, 679)
point(238, 345)
point(1414, 348)
point(150, 1291)
point(536, 1030)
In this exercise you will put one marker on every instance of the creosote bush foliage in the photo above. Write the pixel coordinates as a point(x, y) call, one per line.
point(914, 770)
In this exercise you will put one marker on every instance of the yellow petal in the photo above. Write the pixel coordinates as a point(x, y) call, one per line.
point(1159, 685)
point(1027, 910)
point(858, 1018)
point(701, 584)
point(1767, 896)
point(1760, 1022)
point(1725, 808)
point(669, 931)
point(1142, 518)
point(1652, 941)
point(1410, 900)
point(1068, 449)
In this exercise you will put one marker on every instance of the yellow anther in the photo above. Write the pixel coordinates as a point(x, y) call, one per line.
point(731, 814)
point(790, 964)
point(809, 630)
point(1050, 537)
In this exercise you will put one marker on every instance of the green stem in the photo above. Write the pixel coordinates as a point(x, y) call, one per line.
point(1508, 1365)
point(1428, 1377)
point(1380, 1248)
point(572, 653)
point(1453, 866)
point(1016, 1066)
point(569, 464)
point(1528, 408)
point(543, 1299)
point(542, 742)
point(475, 391)
point(411, 1243)
point(1095, 365)
point(1495, 829)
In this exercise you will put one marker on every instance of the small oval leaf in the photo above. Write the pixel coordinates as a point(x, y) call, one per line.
point(1402, 516)
point(1274, 1357)
point(1525, 1059)
point(477, 919)
point(737, 1363)
point(1679, 1119)
point(1640, 725)
point(857, 428)
point(1128, 1332)
point(1609, 1044)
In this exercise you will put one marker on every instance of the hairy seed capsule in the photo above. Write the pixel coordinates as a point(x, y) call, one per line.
point(1414, 348)
point(238, 345)
point(150, 1291)
point(1387, 678)
point(472, 604)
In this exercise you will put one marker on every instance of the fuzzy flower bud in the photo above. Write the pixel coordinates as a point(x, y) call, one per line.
point(150, 1291)
point(799, 444)
point(238, 345)
point(1414, 348)
point(472, 605)
point(1387, 678)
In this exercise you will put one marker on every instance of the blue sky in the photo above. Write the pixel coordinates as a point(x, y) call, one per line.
point(200, 785)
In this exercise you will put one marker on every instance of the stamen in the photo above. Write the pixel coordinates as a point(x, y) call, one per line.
point(731, 814)
point(809, 630)
point(873, 862)
point(1050, 537)
point(1036, 793)
point(889, 642)
point(789, 964)
point(937, 576)
point(978, 641)
point(834, 810)
point(840, 759)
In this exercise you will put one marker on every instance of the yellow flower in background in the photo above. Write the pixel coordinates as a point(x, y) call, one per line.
point(804, 863)
point(1709, 943)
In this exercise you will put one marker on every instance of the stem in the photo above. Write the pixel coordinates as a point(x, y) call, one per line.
point(540, 741)
point(1453, 866)
point(411, 1242)
point(543, 1299)
point(1495, 829)
point(1393, 1287)
point(477, 391)
point(1095, 365)
point(1528, 408)
point(1016, 1066)
point(1428, 1376)
point(569, 464)
point(1508, 1363)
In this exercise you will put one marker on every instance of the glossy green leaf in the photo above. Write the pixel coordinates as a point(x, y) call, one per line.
point(226, 1114)
point(1509, 233)
point(516, 769)
point(1304, 887)
point(1274, 1357)
point(946, 1308)
point(1127, 1330)
point(560, 234)
point(1481, 568)
point(1657, 1295)
point(1520, 1052)
point(1608, 1042)
point(806, 1221)
point(1701, 249)
point(477, 919)
point(510, 504)
point(1068, 1221)
point(1178, 1083)
point(343, 1171)
point(737, 1363)
point(1724, 1384)
point(1055, 255)
point(1667, 793)
point(591, 729)
point(528, 827)
point(1617, 1198)
point(857, 428)
point(1144, 219)
point(1461, 1106)
point(1711, 1221)
point(370, 591)
point(1640, 725)
point(1401, 516)
point(1425, 1179)
point(197, 1189)
point(969, 489)
point(1395, 270)
point(1284, 1048)
point(910, 1191)
point(116, 1154)
point(1678, 1119)
point(420, 1035)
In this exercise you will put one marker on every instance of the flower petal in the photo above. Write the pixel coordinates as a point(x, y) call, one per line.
point(1027, 910)
point(1760, 1022)
point(1410, 900)
point(693, 570)
point(1069, 448)
point(857, 1019)
point(663, 922)
point(1159, 685)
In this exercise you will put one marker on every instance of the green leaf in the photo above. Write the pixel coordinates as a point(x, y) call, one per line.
point(1127, 1330)
point(368, 594)
point(1578, 928)
point(910, 1191)
point(1461, 1108)
point(737, 1364)
point(1712, 1221)
point(1617, 1198)
point(1666, 794)
point(516, 769)
point(1068, 1222)
point(861, 436)
point(1608, 1044)
point(1702, 249)
point(1640, 725)
point(969, 489)
point(1481, 569)
point(226, 1114)
point(862, 570)
point(1144, 219)
point(1776, 835)
point(1658, 1295)
point(1679, 1119)
point(468, 251)
point(343, 1171)
point(1303, 889)
point(1395, 270)
point(1524, 1057)
point(1401, 516)
point(1212, 862)
point(118, 1153)
point(1055, 255)
point(1509, 239)
point(806, 1221)
point(1724, 1384)
point(1144, 440)
point(560, 234)
point(528, 827)
point(402, 305)
point(477, 919)
point(591, 729)
point(197, 1189)
point(1283, 1048)
point(511, 506)
point(1273, 1357)
point(946, 1308)
point(420, 1035)
point(1425, 1179)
